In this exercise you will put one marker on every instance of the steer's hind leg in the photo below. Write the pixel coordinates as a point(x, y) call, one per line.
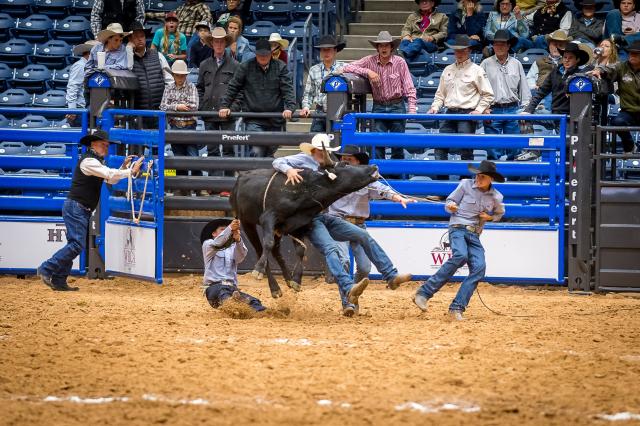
point(268, 242)
point(277, 254)
point(300, 249)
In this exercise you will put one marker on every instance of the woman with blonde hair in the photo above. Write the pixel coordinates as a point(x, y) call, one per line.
point(169, 41)
point(468, 20)
point(606, 53)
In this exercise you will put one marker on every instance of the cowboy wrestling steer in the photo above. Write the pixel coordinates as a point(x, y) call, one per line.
point(260, 197)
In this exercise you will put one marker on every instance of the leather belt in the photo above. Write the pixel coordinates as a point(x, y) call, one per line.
point(225, 282)
point(470, 228)
point(182, 123)
point(355, 220)
point(459, 110)
point(390, 101)
point(505, 105)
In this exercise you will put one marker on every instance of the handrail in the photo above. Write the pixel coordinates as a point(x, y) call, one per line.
point(245, 114)
point(307, 44)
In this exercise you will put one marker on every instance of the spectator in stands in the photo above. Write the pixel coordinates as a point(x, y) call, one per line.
point(463, 89)
point(587, 28)
point(627, 75)
point(82, 199)
point(111, 44)
point(240, 48)
point(75, 85)
point(234, 9)
point(169, 41)
point(510, 89)
point(529, 6)
point(542, 67)
point(201, 50)
point(313, 97)
point(182, 95)
point(125, 12)
point(264, 85)
point(507, 16)
point(279, 47)
point(424, 29)
point(551, 16)
point(214, 76)
point(468, 19)
point(608, 53)
point(623, 24)
point(151, 68)
point(555, 83)
point(391, 85)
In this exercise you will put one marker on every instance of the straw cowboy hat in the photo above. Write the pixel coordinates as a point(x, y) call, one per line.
point(316, 143)
point(329, 41)
point(179, 67)
point(385, 37)
point(275, 38)
point(85, 47)
point(558, 35)
point(210, 227)
point(361, 156)
point(583, 56)
point(111, 30)
point(218, 33)
point(487, 168)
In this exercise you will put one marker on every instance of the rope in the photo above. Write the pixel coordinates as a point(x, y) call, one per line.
point(131, 195)
point(266, 191)
point(393, 191)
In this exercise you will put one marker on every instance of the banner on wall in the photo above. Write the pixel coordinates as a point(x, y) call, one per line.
point(130, 250)
point(520, 254)
point(25, 245)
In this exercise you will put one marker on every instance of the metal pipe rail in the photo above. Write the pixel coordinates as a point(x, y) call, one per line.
point(210, 183)
point(242, 114)
point(217, 163)
point(230, 138)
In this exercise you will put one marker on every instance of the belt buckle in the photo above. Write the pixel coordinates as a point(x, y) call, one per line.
point(471, 228)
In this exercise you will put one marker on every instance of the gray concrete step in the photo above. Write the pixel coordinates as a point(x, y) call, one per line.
point(304, 125)
point(407, 6)
point(352, 54)
point(374, 29)
point(358, 41)
point(387, 17)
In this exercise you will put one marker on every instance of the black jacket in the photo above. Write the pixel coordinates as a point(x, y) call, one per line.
point(261, 91)
point(593, 32)
point(148, 69)
point(213, 82)
point(115, 11)
point(86, 189)
point(556, 84)
point(545, 23)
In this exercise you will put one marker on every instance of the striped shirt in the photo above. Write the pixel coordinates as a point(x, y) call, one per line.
point(174, 96)
point(395, 79)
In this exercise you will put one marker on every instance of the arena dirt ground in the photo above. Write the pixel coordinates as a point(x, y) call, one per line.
point(128, 352)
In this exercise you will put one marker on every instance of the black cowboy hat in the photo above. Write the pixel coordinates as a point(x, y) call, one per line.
point(137, 26)
point(210, 227)
point(462, 41)
point(504, 35)
point(435, 2)
point(487, 168)
point(97, 135)
point(634, 47)
point(330, 41)
point(362, 156)
point(263, 47)
point(583, 57)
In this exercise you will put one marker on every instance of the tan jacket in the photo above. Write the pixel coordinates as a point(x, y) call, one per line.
point(437, 27)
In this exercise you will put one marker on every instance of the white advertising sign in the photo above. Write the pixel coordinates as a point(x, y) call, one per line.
point(509, 253)
point(25, 245)
point(130, 250)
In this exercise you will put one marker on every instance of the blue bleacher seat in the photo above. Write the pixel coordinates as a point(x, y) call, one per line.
point(14, 52)
point(17, 8)
point(60, 124)
point(4, 121)
point(614, 110)
point(50, 99)
point(297, 30)
point(444, 58)
point(13, 148)
point(15, 98)
point(60, 78)
point(260, 29)
point(6, 24)
point(276, 11)
point(162, 6)
point(53, 53)
point(6, 74)
point(32, 78)
point(32, 122)
point(83, 7)
point(413, 127)
point(57, 9)
point(421, 69)
point(48, 148)
point(72, 29)
point(528, 57)
point(154, 25)
point(429, 84)
point(34, 28)
point(448, 8)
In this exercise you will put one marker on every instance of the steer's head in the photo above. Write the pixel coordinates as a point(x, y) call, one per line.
point(334, 181)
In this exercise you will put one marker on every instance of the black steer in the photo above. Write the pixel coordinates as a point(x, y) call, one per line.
point(260, 198)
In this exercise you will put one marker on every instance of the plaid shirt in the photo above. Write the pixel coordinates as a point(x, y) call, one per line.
point(174, 95)
point(313, 88)
point(189, 15)
point(98, 8)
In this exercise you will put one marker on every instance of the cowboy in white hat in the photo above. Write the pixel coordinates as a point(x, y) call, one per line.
point(75, 85)
point(112, 47)
point(391, 86)
point(278, 47)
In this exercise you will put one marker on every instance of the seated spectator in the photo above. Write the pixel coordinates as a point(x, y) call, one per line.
point(278, 47)
point(75, 85)
point(182, 96)
point(606, 53)
point(313, 97)
point(507, 16)
point(627, 75)
point(572, 58)
point(125, 12)
point(587, 28)
point(110, 42)
point(468, 19)
point(542, 67)
point(424, 30)
point(169, 41)
point(623, 24)
point(201, 50)
point(529, 6)
point(239, 48)
point(551, 16)
point(234, 9)
point(264, 84)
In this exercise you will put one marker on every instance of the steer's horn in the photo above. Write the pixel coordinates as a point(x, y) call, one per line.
point(328, 162)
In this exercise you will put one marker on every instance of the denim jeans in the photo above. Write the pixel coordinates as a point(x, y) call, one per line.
point(216, 294)
point(541, 43)
point(625, 118)
point(389, 126)
point(413, 49)
point(505, 127)
point(262, 151)
point(363, 264)
point(467, 248)
point(522, 44)
point(326, 230)
point(613, 25)
point(453, 126)
point(186, 151)
point(76, 219)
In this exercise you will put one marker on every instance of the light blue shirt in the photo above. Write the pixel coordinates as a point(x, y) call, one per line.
point(296, 161)
point(244, 50)
point(356, 204)
point(75, 85)
point(222, 255)
point(114, 59)
point(471, 202)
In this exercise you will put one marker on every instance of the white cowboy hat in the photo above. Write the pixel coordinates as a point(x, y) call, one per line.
point(385, 37)
point(316, 143)
point(275, 38)
point(111, 30)
point(219, 33)
point(85, 47)
point(179, 67)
